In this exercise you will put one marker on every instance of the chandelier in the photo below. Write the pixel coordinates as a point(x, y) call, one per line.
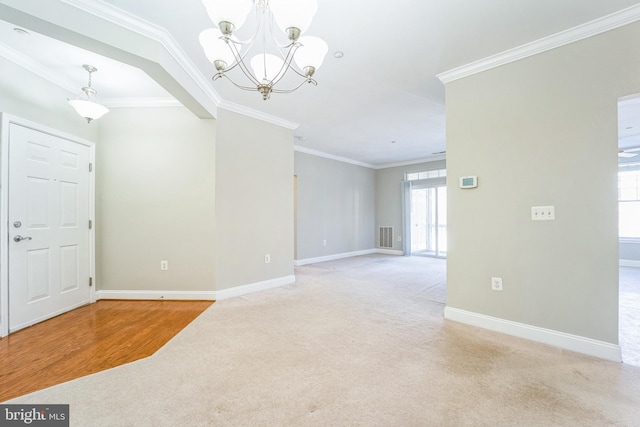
point(86, 104)
point(226, 52)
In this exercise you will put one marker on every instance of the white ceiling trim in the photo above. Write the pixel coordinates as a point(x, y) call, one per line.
point(146, 29)
point(140, 102)
point(36, 68)
point(133, 23)
point(366, 165)
point(435, 158)
point(331, 156)
point(592, 28)
point(240, 109)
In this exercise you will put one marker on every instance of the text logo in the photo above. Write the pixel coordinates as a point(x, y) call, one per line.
point(34, 415)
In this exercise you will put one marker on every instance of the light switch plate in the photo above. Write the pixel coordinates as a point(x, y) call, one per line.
point(543, 213)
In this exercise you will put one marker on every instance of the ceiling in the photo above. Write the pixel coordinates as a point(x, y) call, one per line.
point(380, 104)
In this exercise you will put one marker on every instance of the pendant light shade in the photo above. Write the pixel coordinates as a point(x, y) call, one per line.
point(88, 109)
point(86, 104)
point(232, 11)
point(266, 66)
point(293, 13)
point(311, 53)
point(216, 49)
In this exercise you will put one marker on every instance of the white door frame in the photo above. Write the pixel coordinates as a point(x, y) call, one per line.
point(5, 121)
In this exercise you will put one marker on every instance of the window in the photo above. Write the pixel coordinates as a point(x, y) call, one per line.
point(439, 173)
point(629, 203)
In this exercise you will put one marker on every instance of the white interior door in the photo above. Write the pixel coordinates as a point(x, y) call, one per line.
point(48, 209)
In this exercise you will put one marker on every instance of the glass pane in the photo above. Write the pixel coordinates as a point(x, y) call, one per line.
point(418, 220)
point(431, 220)
point(442, 221)
point(629, 185)
point(629, 219)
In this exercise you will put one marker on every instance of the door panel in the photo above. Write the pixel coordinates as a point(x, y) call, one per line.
point(38, 273)
point(49, 199)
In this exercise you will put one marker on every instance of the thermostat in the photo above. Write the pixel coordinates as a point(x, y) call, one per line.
point(468, 182)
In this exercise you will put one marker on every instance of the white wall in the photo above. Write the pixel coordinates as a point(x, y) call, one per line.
point(540, 131)
point(254, 201)
point(336, 204)
point(155, 185)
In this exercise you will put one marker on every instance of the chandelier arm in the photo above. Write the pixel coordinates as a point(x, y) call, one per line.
point(274, 35)
point(252, 39)
point(263, 63)
point(295, 69)
point(247, 73)
point(286, 65)
point(309, 80)
point(239, 62)
point(249, 88)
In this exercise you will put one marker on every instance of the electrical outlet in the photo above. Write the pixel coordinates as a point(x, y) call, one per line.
point(164, 265)
point(399, 238)
point(324, 243)
point(496, 283)
point(267, 259)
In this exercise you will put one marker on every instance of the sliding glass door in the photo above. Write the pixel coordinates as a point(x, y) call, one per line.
point(429, 221)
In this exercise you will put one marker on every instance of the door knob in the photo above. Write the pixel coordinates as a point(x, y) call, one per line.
point(19, 238)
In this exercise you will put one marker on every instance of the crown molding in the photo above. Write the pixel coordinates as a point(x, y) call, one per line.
point(583, 31)
point(435, 158)
point(140, 102)
point(241, 109)
point(36, 68)
point(126, 20)
point(331, 156)
point(367, 165)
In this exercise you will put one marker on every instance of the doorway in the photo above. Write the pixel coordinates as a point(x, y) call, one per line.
point(429, 220)
point(46, 224)
point(629, 228)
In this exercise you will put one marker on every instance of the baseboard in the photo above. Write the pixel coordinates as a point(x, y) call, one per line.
point(563, 340)
point(388, 252)
point(152, 295)
point(332, 257)
point(254, 287)
point(629, 263)
point(196, 295)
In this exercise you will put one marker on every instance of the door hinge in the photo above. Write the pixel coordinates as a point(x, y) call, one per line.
point(90, 167)
point(90, 281)
point(90, 224)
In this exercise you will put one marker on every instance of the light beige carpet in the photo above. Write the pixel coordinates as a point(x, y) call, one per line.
point(355, 342)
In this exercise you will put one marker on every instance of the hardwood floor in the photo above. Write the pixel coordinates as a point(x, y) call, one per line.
point(87, 340)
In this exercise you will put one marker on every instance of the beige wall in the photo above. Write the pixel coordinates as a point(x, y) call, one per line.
point(155, 186)
point(540, 131)
point(254, 200)
point(336, 204)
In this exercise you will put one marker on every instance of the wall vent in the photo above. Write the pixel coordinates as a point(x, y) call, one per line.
point(385, 237)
